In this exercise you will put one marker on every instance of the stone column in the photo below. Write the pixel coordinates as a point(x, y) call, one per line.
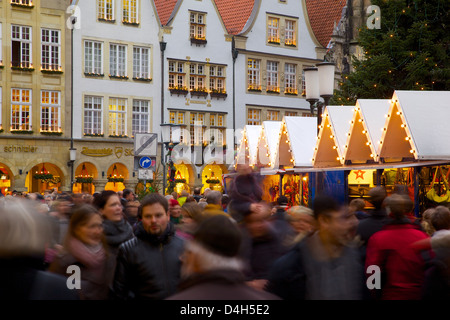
point(100, 184)
point(131, 184)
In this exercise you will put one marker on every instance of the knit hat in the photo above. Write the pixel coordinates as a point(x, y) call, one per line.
point(219, 235)
point(173, 202)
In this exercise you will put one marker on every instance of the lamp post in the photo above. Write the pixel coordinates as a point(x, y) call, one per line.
point(170, 137)
point(319, 83)
point(72, 158)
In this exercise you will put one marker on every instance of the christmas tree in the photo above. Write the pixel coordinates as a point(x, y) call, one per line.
point(409, 52)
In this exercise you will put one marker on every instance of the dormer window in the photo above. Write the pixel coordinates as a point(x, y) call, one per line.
point(197, 31)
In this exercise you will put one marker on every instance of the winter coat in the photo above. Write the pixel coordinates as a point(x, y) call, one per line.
point(94, 283)
point(22, 278)
point(297, 275)
point(219, 285)
point(148, 266)
point(260, 253)
point(402, 268)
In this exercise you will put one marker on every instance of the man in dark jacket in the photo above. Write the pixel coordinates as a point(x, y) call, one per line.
point(323, 266)
point(148, 266)
point(211, 268)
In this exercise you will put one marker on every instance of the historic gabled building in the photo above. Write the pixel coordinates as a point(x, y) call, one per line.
point(116, 70)
point(273, 46)
point(34, 123)
point(197, 89)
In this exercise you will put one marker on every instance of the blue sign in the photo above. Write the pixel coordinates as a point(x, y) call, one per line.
point(145, 162)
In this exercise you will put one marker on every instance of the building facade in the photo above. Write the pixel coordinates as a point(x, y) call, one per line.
point(34, 138)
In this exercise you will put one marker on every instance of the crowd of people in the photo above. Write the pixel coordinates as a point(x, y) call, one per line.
point(210, 245)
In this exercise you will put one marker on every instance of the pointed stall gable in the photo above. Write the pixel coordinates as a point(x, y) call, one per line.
point(417, 126)
point(365, 130)
point(268, 143)
point(297, 142)
point(249, 145)
point(329, 150)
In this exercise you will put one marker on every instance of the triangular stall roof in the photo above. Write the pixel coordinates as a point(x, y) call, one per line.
point(297, 139)
point(268, 143)
point(417, 127)
point(333, 132)
point(249, 145)
point(366, 126)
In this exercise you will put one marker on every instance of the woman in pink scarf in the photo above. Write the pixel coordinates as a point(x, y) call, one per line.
point(85, 247)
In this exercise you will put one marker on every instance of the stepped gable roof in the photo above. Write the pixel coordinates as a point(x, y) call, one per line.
point(164, 9)
point(235, 13)
point(323, 14)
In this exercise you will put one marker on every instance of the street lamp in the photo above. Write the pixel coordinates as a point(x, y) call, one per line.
point(319, 83)
point(170, 137)
point(72, 158)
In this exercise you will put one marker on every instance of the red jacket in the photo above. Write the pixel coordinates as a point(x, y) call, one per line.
point(402, 268)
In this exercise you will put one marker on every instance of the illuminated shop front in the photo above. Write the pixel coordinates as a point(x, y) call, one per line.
point(44, 176)
point(5, 179)
point(85, 174)
point(182, 178)
point(116, 175)
point(212, 177)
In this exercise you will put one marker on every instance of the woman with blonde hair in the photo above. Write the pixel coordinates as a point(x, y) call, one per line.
point(302, 220)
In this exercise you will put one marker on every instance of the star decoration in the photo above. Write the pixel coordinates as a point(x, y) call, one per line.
point(359, 174)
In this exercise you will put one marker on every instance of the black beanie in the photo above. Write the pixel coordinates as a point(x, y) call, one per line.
point(220, 235)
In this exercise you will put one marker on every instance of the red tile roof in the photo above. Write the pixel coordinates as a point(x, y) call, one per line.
point(322, 16)
point(165, 9)
point(235, 13)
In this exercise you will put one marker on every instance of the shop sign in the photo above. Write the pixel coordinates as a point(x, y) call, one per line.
point(104, 152)
point(13, 148)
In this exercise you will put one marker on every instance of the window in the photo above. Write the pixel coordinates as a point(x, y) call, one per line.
point(253, 117)
point(290, 78)
point(197, 77)
point(272, 76)
point(290, 113)
point(106, 10)
point(51, 49)
point(253, 73)
point(141, 63)
point(141, 111)
point(130, 11)
point(289, 33)
point(21, 46)
point(197, 26)
point(196, 128)
point(273, 35)
point(303, 83)
point(212, 119)
point(93, 107)
point(21, 109)
point(50, 111)
point(220, 120)
point(117, 116)
point(23, 2)
point(180, 117)
point(217, 79)
point(117, 60)
point(176, 75)
point(273, 115)
point(93, 59)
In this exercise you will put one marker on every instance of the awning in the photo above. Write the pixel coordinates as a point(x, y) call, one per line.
point(373, 166)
